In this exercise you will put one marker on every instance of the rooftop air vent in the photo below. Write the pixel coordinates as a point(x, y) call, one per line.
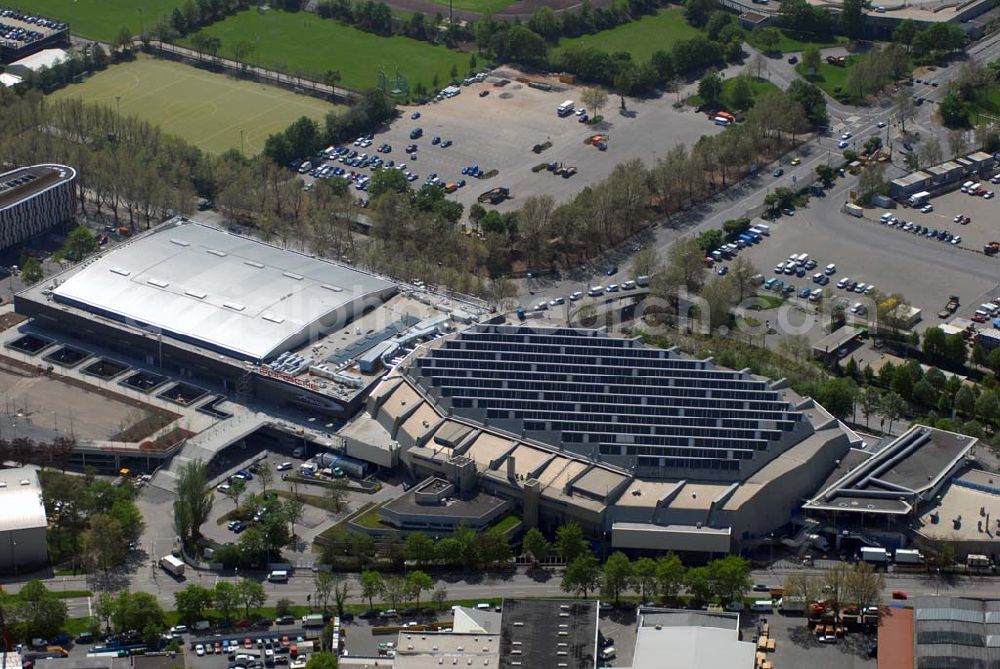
point(157, 282)
point(25, 482)
point(180, 242)
point(254, 263)
point(218, 253)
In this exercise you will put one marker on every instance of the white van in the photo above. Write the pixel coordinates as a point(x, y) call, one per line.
point(762, 606)
point(762, 228)
point(596, 291)
point(967, 185)
point(886, 217)
point(278, 576)
point(608, 653)
point(565, 109)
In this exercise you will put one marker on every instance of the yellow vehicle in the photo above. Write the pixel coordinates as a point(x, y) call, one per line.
point(450, 188)
point(796, 161)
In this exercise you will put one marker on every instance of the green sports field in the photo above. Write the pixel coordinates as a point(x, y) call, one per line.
point(480, 6)
point(640, 38)
point(99, 19)
point(304, 42)
point(207, 109)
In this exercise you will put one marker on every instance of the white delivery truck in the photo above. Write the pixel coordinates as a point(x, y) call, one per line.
point(908, 556)
point(565, 109)
point(919, 199)
point(869, 554)
point(852, 209)
point(173, 565)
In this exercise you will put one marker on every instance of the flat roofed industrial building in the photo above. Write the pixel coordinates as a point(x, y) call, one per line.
point(226, 293)
point(548, 633)
point(34, 200)
point(683, 639)
point(23, 524)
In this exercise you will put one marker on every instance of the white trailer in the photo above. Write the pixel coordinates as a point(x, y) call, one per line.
point(173, 565)
point(908, 556)
point(869, 554)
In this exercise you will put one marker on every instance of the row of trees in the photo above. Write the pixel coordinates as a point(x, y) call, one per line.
point(93, 521)
point(726, 579)
point(839, 586)
point(229, 599)
point(464, 547)
point(397, 589)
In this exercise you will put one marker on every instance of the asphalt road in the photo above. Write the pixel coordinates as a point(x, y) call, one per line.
point(520, 584)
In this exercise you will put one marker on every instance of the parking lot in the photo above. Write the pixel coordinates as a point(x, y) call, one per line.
point(983, 213)
point(498, 131)
point(926, 288)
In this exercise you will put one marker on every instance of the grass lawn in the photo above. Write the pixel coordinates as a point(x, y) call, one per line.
point(792, 41)
point(640, 38)
point(507, 522)
point(759, 86)
point(209, 110)
point(99, 19)
point(304, 42)
point(370, 518)
point(830, 77)
point(480, 6)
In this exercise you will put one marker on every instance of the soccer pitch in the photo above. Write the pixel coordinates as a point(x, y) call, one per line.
point(304, 42)
point(207, 109)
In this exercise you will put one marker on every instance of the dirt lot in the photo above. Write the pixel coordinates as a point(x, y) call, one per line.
point(498, 132)
point(41, 405)
point(795, 646)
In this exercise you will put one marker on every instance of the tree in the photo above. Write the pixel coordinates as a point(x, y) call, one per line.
point(871, 401)
point(864, 585)
point(853, 16)
point(730, 577)
point(570, 543)
point(80, 243)
point(699, 583)
point(227, 598)
point(893, 407)
point(395, 590)
point(644, 576)
point(905, 110)
point(283, 607)
point(439, 597)
point(618, 575)
point(386, 180)
point(958, 141)
point(767, 39)
point(265, 474)
point(293, 512)
point(741, 93)
point(137, 611)
point(341, 590)
point(954, 113)
point(594, 99)
point(582, 575)
point(805, 587)
point(535, 545)
point(988, 406)
point(251, 594)
point(871, 180)
point(372, 586)
point(965, 401)
point(322, 660)
point(417, 582)
point(194, 500)
point(710, 90)
point(37, 612)
point(105, 543)
point(930, 152)
point(323, 582)
point(336, 492)
point(835, 581)
point(191, 603)
point(905, 32)
point(669, 575)
point(32, 272)
point(419, 548)
point(811, 59)
point(236, 490)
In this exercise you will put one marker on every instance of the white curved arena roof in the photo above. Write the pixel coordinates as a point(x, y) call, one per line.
point(220, 291)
